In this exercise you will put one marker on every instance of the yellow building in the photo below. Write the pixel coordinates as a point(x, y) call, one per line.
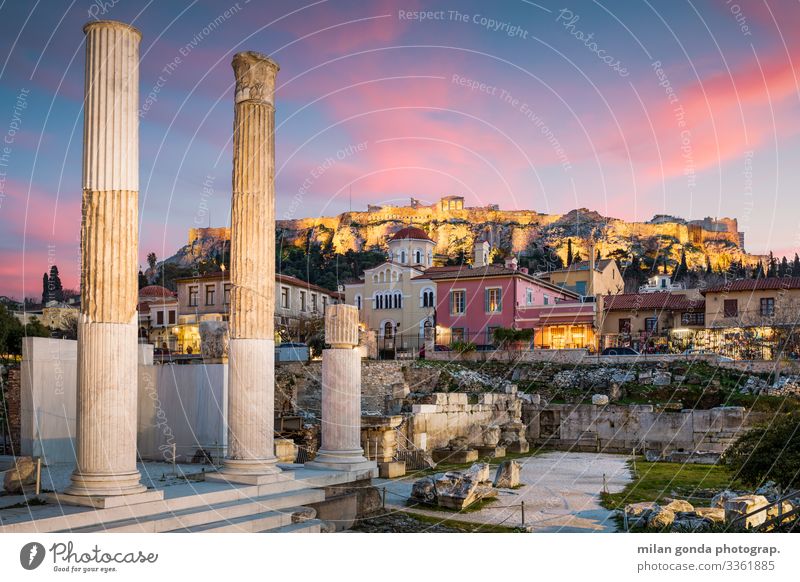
point(587, 278)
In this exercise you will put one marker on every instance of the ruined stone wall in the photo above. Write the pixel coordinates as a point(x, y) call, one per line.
point(445, 416)
point(622, 429)
point(298, 384)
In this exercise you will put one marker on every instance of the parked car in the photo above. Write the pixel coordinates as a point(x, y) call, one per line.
point(291, 352)
point(619, 352)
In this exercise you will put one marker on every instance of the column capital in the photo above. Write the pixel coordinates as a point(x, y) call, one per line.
point(255, 77)
point(111, 24)
point(341, 326)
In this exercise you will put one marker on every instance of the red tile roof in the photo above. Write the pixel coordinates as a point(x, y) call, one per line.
point(411, 232)
point(155, 291)
point(765, 284)
point(642, 301)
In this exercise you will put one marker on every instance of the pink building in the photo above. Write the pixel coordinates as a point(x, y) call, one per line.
point(474, 300)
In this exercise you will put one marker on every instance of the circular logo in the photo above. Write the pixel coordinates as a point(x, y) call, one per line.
point(31, 555)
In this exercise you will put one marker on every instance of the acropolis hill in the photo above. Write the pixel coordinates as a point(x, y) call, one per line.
point(455, 227)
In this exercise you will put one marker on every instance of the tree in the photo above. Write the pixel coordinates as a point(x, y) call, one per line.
point(681, 269)
point(709, 270)
point(45, 289)
point(12, 332)
point(796, 266)
point(152, 260)
point(55, 292)
point(570, 258)
point(783, 269)
point(758, 272)
point(772, 266)
point(597, 256)
point(768, 453)
point(142, 279)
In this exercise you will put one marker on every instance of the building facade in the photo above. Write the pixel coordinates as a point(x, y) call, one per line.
point(396, 299)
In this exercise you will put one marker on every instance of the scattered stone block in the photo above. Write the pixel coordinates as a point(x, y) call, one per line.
point(424, 491)
point(20, 476)
point(720, 498)
point(639, 513)
point(712, 514)
point(455, 456)
point(679, 505)
point(285, 450)
point(662, 379)
point(392, 469)
point(660, 518)
point(740, 506)
point(507, 475)
point(491, 452)
point(460, 489)
point(518, 447)
point(689, 523)
point(600, 399)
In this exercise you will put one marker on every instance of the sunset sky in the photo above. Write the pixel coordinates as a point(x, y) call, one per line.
point(685, 108)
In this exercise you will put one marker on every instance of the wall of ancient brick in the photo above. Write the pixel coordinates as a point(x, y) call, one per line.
point(13, 406)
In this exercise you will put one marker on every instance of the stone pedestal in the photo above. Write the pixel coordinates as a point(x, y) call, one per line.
point(107, 324)
point(251, 350)
point(341, 394)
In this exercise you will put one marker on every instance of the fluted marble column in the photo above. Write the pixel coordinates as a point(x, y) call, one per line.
point(341, 394)
point(251, 351)
point(107, 338)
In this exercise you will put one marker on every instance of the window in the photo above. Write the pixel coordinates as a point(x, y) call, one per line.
point(651, 324)
point(193, 292)
point(458, 301)
point(490, 335)
point(160, 317)
point(768, 306)
point(546, 300)
point(457, 334)
point(625, 325)
point(663, 283)
point(226, 294)
point(172, 317)
point(731, 308)
point(302, 301)
point(418, 258)
point(528, 296)
point(427, 298)
point(210, 291)
point(314, 302)
point(358, 301)
point(388, 330)
point(693, 318)
point(580, 287)
point(493, 300)
point(285, 297)
point(324, 303)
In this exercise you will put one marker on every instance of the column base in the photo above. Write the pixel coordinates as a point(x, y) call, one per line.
point(250, 472)
point(104, 484)
point(341, 461)
point(106, 501)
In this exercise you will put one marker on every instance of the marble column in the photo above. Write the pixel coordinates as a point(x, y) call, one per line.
point(251, 351)
point(107, 324)
point(341, 394)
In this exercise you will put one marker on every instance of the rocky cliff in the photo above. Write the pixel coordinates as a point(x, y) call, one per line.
point(456, 230)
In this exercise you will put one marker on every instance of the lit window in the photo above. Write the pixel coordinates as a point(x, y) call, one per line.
point(193, 293)
point(210, 292)
point(493, 303)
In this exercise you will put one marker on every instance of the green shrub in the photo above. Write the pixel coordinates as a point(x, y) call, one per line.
point(462, 347)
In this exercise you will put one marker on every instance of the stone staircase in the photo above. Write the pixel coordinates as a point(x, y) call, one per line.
point(194, 507)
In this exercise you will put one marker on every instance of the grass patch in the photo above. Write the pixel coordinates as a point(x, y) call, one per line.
point(464, 526)
point(655, 481)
